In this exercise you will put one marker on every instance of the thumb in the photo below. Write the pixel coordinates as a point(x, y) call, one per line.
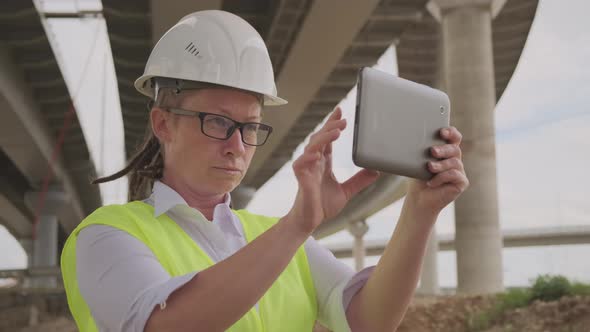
point(359, 181)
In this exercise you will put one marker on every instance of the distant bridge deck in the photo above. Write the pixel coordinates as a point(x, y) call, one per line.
point(548, 236)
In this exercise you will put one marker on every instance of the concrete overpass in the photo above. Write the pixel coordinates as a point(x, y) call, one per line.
point(36, 156)
point(468, 48)
point(516, 238)
point(317, 48)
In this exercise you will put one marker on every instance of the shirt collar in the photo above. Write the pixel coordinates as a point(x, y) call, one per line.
point(165, 198)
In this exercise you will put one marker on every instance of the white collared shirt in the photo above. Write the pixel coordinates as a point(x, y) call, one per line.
point(122, 281)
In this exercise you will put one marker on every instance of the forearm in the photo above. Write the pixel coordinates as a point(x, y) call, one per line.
point(226, 291)
point(381, 304)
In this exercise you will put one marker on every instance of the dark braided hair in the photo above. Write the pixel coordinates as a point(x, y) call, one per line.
point(147, 164)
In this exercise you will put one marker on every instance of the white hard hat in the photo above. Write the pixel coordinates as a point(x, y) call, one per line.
point(212, 46)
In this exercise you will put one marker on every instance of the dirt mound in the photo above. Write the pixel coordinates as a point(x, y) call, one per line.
point(60, 324)
point(445, 313)
point(571, 314)
point(450, 314)
point(456, 314)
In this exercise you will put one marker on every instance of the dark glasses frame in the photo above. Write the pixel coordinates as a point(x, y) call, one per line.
point(236, 124)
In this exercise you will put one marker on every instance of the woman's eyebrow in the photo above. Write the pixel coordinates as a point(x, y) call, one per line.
point(254, 117)
point(229, 115)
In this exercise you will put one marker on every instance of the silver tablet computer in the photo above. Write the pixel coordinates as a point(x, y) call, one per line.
point(396, 123)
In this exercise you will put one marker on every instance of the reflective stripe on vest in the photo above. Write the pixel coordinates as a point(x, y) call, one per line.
point(289, 305)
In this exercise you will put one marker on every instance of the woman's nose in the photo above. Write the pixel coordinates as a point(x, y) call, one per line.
point(234, 143)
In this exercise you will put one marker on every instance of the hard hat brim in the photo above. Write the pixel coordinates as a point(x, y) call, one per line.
point(142, 85)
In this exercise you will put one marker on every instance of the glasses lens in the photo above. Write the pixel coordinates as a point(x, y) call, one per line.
point(221, 127)
point(255, 133)
point(217, 126)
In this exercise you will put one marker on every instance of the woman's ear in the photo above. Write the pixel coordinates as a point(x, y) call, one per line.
point(161, 124)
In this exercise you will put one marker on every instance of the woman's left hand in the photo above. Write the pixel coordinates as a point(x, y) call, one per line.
point(449, 180)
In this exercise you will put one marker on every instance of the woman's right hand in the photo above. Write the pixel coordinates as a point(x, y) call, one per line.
point(320, 196)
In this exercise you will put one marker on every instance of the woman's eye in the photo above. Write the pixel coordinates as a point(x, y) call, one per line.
point(218, 122)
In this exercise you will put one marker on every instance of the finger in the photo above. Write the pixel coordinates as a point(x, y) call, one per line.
point(319, 141)
point(340, 124)
point(328, 149)
point(359, 181)
point(444, 165)
point(334, 118)
point(334, 121)
point(451, 135)
point(452, 176)
point(446, 151)
point(337, 114)
point(328, 157)
point(304, 160)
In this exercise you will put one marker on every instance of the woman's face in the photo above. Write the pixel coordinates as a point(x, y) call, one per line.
point(204, 164)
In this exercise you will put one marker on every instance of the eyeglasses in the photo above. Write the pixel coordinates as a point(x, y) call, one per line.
point(221, 127)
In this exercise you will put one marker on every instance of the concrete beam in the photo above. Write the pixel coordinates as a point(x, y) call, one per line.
point(241, 196)
point(435, 6)
point(167, 13)
point(324, 37)
point(385, 191)
point(31, 272)
point(550, 236)
point(26, 139)
point(13, 219)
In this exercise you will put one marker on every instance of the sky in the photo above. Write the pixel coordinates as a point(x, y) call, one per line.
point(542, 141)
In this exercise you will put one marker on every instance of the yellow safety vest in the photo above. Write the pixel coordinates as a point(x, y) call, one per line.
point(289, 305)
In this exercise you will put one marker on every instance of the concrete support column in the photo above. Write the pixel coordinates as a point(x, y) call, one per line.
point(27, 245)
point(45, 250)
point(429, 276)
point(469, 78)
point(358, 229)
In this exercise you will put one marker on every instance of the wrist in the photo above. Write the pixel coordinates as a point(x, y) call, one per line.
point(414, 211)
point(295, 229)
point(419, 199)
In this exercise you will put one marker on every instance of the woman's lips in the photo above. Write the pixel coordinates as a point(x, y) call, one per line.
point(229, 170)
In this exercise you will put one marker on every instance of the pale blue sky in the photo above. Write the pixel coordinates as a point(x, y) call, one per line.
point(542, 127)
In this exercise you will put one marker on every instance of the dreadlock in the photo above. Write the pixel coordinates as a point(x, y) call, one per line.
point(147, 164)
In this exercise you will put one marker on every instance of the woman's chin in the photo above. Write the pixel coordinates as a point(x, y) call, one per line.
point(224, 185)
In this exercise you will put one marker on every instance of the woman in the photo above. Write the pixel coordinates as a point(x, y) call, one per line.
point(181, 259)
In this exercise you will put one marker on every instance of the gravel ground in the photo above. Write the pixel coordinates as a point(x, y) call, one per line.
point(446, 314)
